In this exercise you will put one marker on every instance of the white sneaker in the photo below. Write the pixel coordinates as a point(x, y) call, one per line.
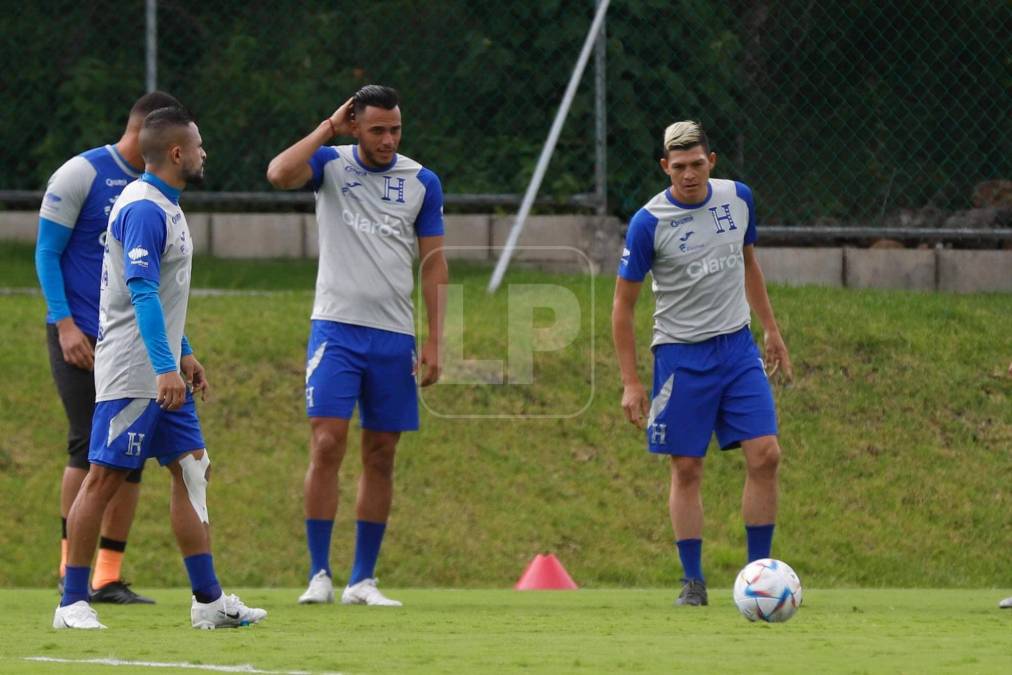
point(321, 590)
point(1006, 603)
point(228, 611)
point(78, 615)
point(366, 593)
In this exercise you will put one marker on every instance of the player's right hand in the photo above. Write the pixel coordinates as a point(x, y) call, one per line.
point(77, 349)
point(343, 117)
point(635, 404)
point(171, 391)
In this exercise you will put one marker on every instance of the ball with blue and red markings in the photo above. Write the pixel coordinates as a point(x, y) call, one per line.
point(767, 590)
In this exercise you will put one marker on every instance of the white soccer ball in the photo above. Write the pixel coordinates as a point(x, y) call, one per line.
point(767, 590)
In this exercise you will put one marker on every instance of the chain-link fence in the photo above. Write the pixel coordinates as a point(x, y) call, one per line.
point(834, 112)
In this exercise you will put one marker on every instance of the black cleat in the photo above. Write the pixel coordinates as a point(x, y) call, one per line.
point(119, 593)
point(693, 593)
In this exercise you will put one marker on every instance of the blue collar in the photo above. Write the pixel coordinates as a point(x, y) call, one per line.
point(354, 152)
point(671, 198)
point(171, 193)
point(136, 171)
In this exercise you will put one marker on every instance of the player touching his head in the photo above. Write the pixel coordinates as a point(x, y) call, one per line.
point(375, 209)
point(697, 240)
point(68, 260)
point(144, 407)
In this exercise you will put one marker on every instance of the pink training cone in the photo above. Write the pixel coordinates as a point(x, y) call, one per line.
point(545, 573)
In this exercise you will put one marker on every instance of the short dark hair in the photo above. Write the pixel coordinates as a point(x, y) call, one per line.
point(152, 101)
point(160, 130)
point(375, 95)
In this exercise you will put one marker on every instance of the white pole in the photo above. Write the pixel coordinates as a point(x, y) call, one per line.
point(151, 44)
point(546, 151)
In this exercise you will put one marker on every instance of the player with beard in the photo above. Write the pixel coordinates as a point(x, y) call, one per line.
point(68, 258)
point(376, 211)
point(144, 408)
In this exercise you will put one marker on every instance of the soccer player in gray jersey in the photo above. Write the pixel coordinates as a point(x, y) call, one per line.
point(68, 259)
point(697, 240)
point(144, 408)
point(375, 209)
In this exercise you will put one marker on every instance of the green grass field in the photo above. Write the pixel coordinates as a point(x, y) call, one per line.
point(498, 631)
point(897, 437)
point(897, 434)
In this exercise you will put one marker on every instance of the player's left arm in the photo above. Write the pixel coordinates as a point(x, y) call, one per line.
point(433, 271)
point(755, 292)
point(193, 370)
point(435, 276)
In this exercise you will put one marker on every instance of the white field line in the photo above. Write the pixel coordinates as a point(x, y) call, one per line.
point(245, 668)
point(197, 292)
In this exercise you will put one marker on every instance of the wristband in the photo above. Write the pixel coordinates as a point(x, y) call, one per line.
point(333, 131)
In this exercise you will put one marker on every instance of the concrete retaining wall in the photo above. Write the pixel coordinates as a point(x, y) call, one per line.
point(569, 242)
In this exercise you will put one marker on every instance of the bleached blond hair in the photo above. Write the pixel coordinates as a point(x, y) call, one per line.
point(684, 135)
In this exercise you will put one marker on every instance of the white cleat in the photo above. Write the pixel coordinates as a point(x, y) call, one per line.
point(320, 591)
point(1006, 603)
point(228, 611)
point(366, 593)
point(78, 615)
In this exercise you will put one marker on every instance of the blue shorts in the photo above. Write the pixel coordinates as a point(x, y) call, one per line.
point(127, 431)
point(346, 364)
point(717, 385)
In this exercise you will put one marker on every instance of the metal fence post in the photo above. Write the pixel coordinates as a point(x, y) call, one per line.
point(151, 44)
point(601, 120)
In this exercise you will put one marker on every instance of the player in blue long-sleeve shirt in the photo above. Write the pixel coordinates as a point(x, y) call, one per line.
point(68, 258)
point(144, 407)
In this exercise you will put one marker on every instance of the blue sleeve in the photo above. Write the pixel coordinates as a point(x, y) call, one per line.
point(51, 242)
point(318, 161)
point(744, 192)
point(429, 222)
point(151, 323)
point(186, 349)
point(140, 228)
point(638, 255)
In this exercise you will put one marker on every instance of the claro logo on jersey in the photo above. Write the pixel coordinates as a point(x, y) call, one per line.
point(702, 268)
point(388, 228)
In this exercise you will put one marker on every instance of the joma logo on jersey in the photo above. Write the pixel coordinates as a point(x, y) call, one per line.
point(356, 221)
point(724, 218)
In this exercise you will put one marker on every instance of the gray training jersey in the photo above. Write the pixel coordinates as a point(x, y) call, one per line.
point(147, 239)
point(695, 254)
point(369, 220)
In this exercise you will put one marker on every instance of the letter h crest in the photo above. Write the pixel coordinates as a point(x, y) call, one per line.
point(390, 188)
point(725, 217)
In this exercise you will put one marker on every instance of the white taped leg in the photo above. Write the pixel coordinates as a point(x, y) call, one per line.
point(195, 478)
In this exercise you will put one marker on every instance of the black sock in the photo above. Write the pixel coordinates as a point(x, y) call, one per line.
point(112, 544)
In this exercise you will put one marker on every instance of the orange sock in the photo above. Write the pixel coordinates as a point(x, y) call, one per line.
point(63, 557)
point(108, 565)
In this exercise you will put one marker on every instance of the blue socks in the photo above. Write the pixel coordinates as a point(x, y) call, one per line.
point(760, 541)
point(203, 581)
point(318, 537)
point(691, 553)
point(368, 538)
point(75, 585)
